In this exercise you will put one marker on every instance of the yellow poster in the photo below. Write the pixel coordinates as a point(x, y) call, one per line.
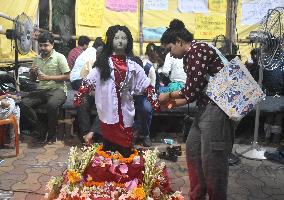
point(90, 12)
point(209, 26)
point(217, 5)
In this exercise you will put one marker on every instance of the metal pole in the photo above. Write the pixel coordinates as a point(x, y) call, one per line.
point(6, 16)
point(141, 37)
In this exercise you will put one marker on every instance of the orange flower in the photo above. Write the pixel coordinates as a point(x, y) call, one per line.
point(73, 176)
point(116, 156)
point(89, 183)
point(139, 193)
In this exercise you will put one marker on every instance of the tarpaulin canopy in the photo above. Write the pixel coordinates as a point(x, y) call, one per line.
point(205, 18)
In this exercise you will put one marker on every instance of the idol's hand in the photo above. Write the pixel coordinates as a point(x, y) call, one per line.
point(83, 90)
point(88, 139)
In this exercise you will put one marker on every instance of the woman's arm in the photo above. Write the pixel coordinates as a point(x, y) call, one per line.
point(165, 97)
point(172, 99)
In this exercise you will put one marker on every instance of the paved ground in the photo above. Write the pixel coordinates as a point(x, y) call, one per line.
point(24, 177)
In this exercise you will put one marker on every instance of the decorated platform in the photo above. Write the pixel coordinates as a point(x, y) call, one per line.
point(96, 174)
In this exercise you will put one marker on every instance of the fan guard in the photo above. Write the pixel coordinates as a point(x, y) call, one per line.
point(23, 33)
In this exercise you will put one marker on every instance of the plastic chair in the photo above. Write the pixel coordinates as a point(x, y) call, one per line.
point(12, 120)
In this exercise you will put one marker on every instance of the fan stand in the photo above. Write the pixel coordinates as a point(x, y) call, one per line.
point(16, 71)
point(253, 151)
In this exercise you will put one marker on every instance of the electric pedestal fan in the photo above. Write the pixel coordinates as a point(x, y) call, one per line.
point(270, 39)
point(21, 34)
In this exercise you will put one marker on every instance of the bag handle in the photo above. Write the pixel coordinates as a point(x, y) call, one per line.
point(221, 56)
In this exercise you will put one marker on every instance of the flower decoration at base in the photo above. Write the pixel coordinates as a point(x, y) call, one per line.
point(96, 174)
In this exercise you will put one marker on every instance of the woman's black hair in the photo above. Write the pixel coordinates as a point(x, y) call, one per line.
point(176, 30)
point(150, 48)
point(98, 42)
point(102, 61)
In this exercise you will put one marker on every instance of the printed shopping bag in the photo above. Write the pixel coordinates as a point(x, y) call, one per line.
point(234, 90)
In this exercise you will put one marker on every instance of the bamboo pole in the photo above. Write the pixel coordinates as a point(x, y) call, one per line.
point(50, 16)
point(231, 22)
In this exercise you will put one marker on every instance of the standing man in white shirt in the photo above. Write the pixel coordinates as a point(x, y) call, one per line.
point(83, 64)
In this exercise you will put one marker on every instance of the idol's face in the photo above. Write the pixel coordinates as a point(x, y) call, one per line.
point(119, 42)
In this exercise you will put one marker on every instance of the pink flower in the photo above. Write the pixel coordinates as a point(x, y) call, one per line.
point(75, 192)
point(112, 168)
point(123, 168)
point(96, 162)
point(136, 160)
point(108, 161)
point(131, 184)
point(123, 197)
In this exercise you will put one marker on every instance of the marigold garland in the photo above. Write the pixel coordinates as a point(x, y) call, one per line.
point(100, 184)
point(116, 156)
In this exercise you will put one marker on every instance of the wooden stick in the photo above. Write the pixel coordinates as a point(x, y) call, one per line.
point(50, 16)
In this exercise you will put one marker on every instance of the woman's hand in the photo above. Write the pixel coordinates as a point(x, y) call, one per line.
point(164, 98)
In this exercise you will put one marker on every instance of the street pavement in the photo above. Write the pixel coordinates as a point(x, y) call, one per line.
point(25, 177)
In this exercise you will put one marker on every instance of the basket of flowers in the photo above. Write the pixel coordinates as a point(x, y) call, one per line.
point(93, 174)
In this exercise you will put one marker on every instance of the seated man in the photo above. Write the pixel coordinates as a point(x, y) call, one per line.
point(51, 69)
point(273, 83)
point(252, 64)
point(83, 43)
point(8, 107)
